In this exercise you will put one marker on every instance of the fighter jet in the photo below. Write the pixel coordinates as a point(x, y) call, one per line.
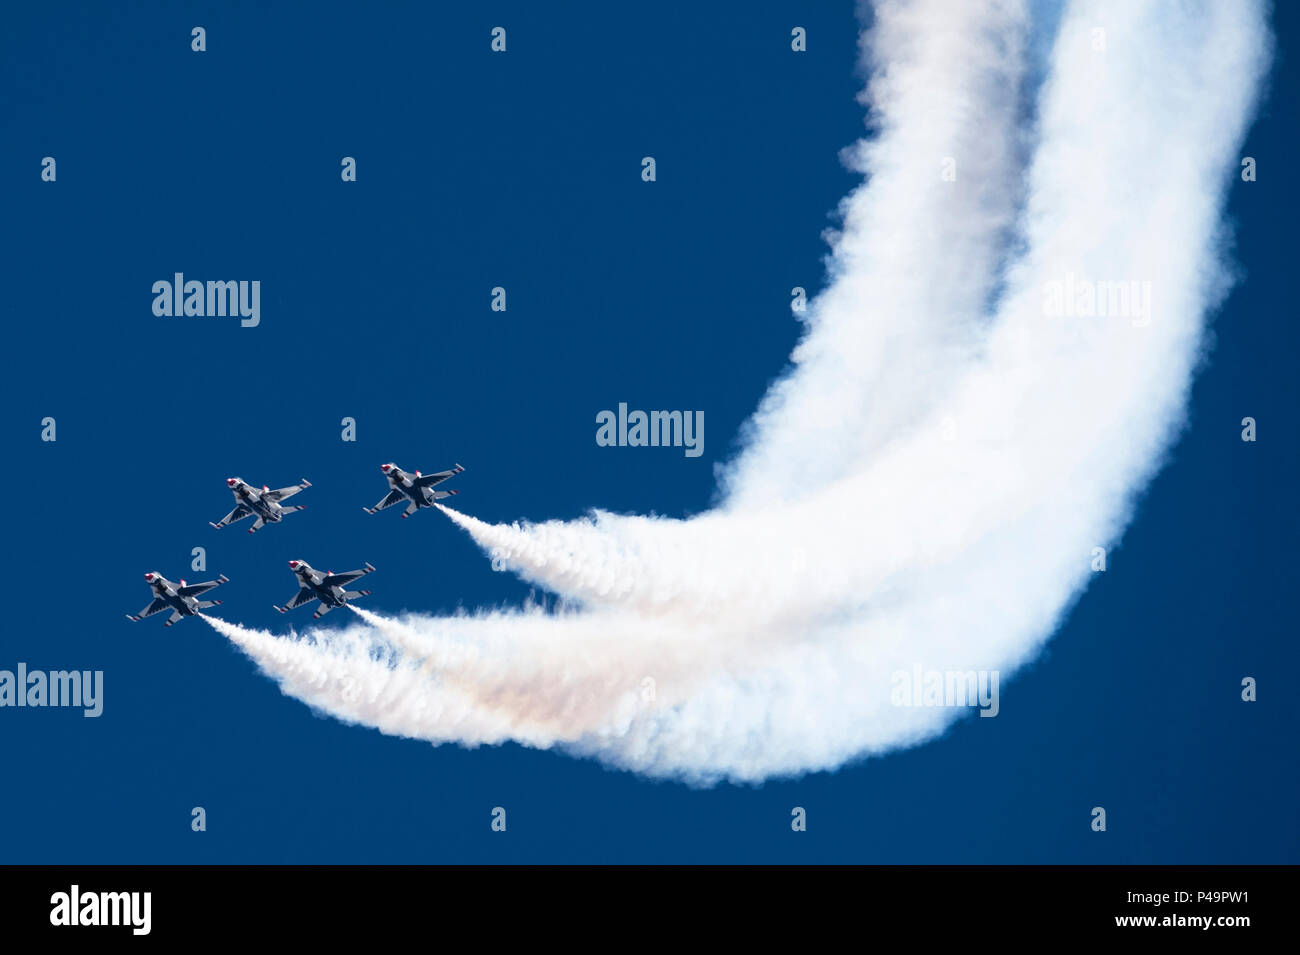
point(326, 587)
point(263, 503)
point(179, 597)
point(416, 488)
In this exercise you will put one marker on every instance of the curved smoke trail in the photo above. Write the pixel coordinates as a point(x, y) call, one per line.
point(927, 484)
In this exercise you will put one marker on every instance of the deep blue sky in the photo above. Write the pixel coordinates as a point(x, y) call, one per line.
point(523, 170)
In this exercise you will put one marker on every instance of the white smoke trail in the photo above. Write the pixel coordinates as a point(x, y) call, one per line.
point(927, 484)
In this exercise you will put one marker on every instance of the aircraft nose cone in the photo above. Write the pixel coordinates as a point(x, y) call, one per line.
point(293, 564)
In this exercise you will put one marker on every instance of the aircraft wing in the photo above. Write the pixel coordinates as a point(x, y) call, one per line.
point(240, 512)
point(340, 580)
point(279, 494)
point(391, 498)
point(306, 595)
point(193, 590)
point(429, 480)
point(153, 608)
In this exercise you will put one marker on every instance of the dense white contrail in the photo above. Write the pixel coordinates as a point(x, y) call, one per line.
point(928, 482)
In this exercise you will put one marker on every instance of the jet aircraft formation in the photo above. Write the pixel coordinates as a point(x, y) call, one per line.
point(264, 506)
